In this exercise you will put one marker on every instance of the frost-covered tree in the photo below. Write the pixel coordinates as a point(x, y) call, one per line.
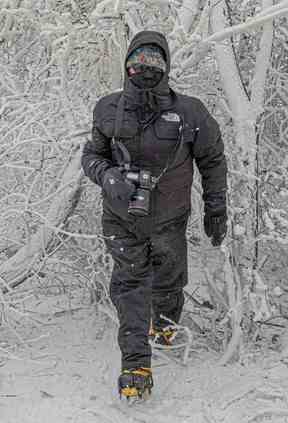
point(58, 57)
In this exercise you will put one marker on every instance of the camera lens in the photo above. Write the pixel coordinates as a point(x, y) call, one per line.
point(139, 204)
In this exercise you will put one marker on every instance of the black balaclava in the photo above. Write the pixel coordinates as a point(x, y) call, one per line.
point(157, 95)
point(145, 77)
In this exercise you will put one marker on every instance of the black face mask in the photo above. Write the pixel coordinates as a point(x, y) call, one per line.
point(145, 77)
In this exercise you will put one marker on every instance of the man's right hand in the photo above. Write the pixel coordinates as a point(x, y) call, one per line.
point(115, 186)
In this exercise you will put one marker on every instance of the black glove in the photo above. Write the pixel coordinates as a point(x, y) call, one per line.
point(215, 219)
point(215, 226)
point(116, 186)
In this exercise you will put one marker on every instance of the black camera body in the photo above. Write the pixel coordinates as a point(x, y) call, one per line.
point(139, 204)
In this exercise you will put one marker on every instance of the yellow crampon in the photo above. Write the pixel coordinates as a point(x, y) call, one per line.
point(135, 383)
point(162, 336)
point(129, 392)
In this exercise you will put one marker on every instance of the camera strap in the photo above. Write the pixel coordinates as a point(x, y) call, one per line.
point(173, 156)
point(119, 152)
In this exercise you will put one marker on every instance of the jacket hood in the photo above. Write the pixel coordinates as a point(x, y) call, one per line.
point(150, 37)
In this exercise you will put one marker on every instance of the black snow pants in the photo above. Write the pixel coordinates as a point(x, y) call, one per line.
point(150, 271)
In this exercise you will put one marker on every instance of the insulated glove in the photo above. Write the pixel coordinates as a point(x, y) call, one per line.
point(215, 219)
point(215, 226)
point(116, 186)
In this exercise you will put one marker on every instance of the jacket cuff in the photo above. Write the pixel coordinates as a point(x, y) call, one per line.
point(215, 203)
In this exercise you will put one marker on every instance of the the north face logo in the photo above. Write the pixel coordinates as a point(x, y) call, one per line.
point(171, 117)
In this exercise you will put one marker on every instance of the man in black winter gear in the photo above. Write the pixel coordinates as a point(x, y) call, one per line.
point(164, 132)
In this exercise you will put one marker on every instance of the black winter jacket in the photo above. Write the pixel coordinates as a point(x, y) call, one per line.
point(150, 130)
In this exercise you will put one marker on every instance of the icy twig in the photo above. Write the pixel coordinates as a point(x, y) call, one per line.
point(6, 286)
point(215, 290)
point(56, 229)
point(232, 346)
point(279, 412)
point(187, 345)
point(108, 311)
point(235, 298)
point(259, 300)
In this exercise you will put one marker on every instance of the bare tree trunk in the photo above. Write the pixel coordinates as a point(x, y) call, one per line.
point(257, 102)
point(245, 113)
point(119, 47)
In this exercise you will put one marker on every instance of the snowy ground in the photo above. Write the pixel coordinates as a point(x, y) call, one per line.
point(68, 368)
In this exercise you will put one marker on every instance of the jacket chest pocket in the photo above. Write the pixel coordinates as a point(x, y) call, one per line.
point(166, 130)
point(129, 128)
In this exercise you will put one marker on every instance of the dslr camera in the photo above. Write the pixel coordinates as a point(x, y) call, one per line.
point(139, 204)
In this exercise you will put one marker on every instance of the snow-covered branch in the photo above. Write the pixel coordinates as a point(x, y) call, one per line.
point(19, 265)
point(187, 13)
point(250, 24)
point(262, 62)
